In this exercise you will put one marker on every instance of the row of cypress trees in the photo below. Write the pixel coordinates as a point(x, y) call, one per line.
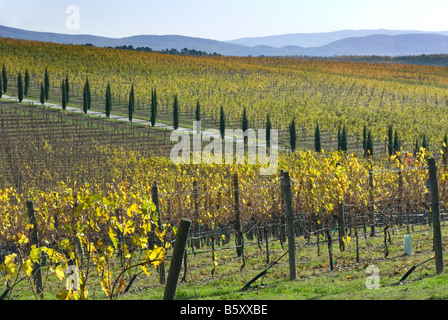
point(394, 142)
point(65, 87)
point(23, 84)
point(23, 87)
point(342, 139)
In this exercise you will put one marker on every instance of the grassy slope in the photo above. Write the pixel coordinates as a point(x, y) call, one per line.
point(315, 280)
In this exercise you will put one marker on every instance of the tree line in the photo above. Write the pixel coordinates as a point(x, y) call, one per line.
point(423, 59)
point(172, 51)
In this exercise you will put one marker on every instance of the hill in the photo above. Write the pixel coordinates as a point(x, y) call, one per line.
point(363, 42)
point(155, 42)
point(397, 45)
point(310, 40)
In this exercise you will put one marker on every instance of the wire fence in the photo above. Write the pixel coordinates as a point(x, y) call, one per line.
point(376, 202)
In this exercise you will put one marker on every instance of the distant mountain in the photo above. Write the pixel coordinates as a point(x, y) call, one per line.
point(367, 42)
point(386, 45)
point(155, 42)
point(309, 40)
point(380, 45)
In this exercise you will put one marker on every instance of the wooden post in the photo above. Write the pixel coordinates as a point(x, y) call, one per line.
point(197, 229)
point(37, 272)
point(357, 244)
point(330, 246)
point(341, 225)
point(282, 218)
point(437, 238)
point(400, 200)
point(120, 237)
point(266, 236)
point(155, 200)
point(386, 248)
point(176, 261)
point(238, 231)
point(372, 200)
point(286, 187)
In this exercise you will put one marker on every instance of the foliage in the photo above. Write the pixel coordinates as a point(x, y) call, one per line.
point(330, 92)
point(83, 228)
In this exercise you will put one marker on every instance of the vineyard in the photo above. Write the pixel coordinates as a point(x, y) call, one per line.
point(330, 93)
point(91, 206)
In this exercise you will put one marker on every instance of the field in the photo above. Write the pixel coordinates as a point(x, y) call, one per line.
point(411, 98)
point(103, 195)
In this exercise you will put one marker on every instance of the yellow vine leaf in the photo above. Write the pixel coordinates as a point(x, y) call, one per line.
point(145, 270)
point(113, 236)
point(27, 267)
point(64, 295)
point(35, 253)
point(60, 272)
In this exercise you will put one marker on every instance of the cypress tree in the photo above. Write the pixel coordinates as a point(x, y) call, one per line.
point(364, 140)
point(1, 87)
point(416, 147)
point(245, 121)
point(198, 111)
point(396, 143)
point(20, 87)
point(245, 125)
point(42, 94)
point(339, 138)
point(176, 113)
point(27, 82)
point(317, 142)
point(67, 89)
point(4, 79)
point(153, 107)
point(84, 100)
point(292, 135)
point(369, 144)
point(268, 130)
point(344, 142)
point(131, 104)
point(46, 84)
point(424, 142)
point(390, 138)
point(88, 95)
point(222, 122)
point(64, 96)
point(108, 100)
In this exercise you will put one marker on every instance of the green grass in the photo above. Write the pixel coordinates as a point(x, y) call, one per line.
point(315, 280)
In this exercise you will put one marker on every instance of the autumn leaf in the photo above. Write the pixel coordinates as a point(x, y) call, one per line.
point(113, 236)
point(27, 267)
point(35, 253)
point(60, 272)
point(145, 270)
point(64, 295)
point(122, 286)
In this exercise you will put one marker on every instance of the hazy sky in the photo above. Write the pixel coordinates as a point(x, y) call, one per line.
point(221, 20)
